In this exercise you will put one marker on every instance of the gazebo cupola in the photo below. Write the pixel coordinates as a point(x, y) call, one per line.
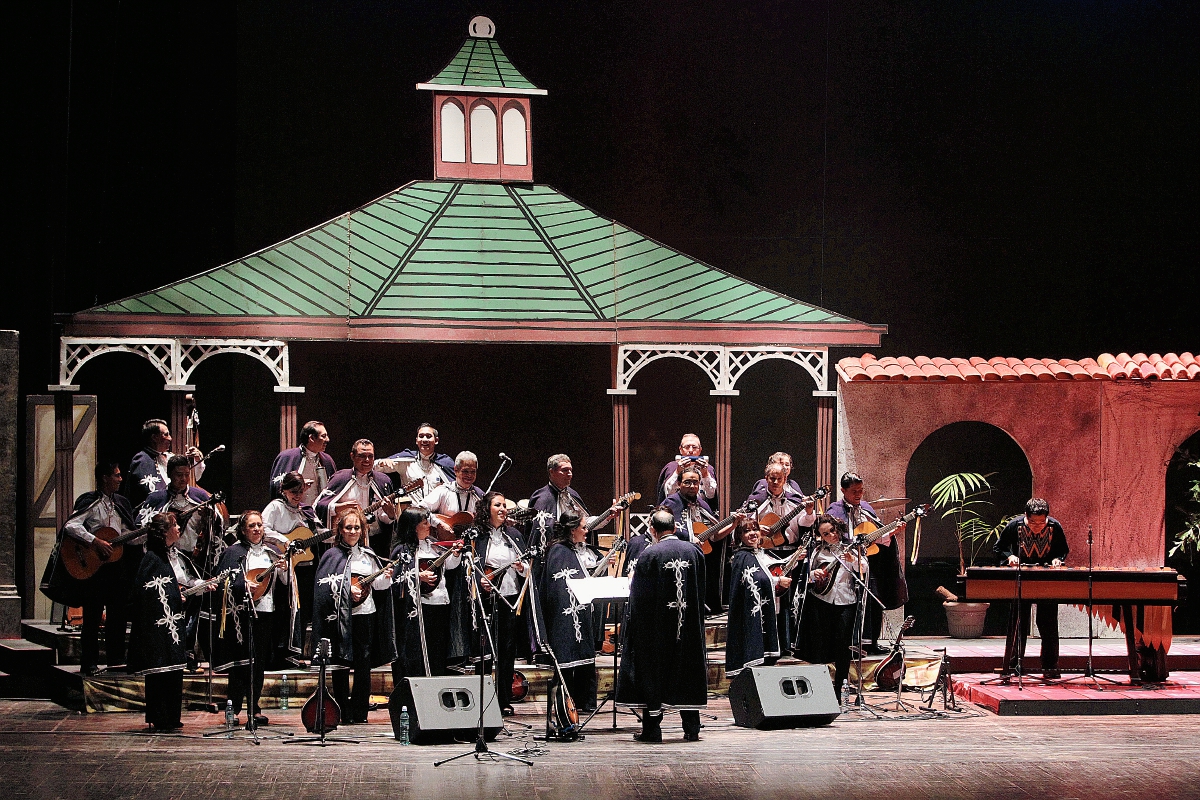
point(481, 127)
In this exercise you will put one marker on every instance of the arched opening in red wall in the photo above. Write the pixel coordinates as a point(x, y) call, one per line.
point(1182, 510)
point(959, 447)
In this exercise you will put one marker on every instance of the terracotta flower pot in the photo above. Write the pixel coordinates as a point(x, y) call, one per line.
point(966, 619)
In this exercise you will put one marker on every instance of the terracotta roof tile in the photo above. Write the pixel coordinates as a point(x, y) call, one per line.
point(1105, 367)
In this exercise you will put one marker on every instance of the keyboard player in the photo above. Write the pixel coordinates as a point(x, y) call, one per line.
point(1034, 539)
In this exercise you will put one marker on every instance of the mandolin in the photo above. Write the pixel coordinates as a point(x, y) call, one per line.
point(868, 533)
point(520, 686)
point(206, 585)
point(889, 674)
point(785, 567)
point(492, 573)
point(776, 536)
point(260, 579)
point(704, 532)
point(434, 565)
point(321, 713)
point(360, 585)
point(562, 718)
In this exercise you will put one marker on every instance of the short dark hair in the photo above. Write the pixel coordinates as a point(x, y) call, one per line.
point(363, 442)
point(1037, 507)
point(662, 520)
point(429, 425)
point(291, 480)
point(240, 528)
point(849, 479)
point(405, 534)
point(177, 461)
point(150, 427)
point(838, 523)
point(684, 469)
point(104, 469)
point(310, 430)
point(565, 526)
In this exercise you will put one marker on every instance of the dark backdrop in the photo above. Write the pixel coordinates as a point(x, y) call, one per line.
point(987, 179)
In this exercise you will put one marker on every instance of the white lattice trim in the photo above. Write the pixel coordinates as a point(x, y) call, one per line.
point(723, 365)
point(175, 359)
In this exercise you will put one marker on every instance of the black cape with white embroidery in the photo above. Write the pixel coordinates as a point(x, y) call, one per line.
point(156, 640)
point(332, 609)
point(664, 660)
point(566, 624)
point(753, 633)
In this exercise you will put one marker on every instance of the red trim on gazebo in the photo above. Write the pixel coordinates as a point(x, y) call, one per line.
point(822, 334)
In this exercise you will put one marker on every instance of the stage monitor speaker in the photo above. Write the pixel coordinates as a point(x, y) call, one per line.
point(783, 697)
point(445, 707)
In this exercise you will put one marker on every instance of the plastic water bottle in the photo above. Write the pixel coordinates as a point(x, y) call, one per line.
point(230, 717)
point(283, 691)
point(845, 693)
point(403, 724)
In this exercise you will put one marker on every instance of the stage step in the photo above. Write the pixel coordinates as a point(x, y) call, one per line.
point(27, 665)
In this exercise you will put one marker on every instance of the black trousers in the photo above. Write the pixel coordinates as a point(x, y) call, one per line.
point(1047, 620)
point(504, 632)
point(241, 681)
point(833, 628)
point(164, 698)
point(106, 598)
point(581, 684)
point(356, 705)
point(652, 721)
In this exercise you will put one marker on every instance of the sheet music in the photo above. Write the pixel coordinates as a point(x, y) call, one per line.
point(588, 590)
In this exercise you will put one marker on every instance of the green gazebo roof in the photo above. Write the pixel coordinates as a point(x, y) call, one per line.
point(457, 260)
point(481, 65)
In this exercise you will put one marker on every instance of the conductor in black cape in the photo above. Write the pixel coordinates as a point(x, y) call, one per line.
point(664, 662)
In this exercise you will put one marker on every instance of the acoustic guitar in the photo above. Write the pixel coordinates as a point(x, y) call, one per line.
point(704, 533)
point(889, 675)
point(776, 536)
point(868, 533)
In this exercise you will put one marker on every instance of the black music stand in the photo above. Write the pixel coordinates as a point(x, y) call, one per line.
point(942, 681)
point(622, 596)
point(1089, 671)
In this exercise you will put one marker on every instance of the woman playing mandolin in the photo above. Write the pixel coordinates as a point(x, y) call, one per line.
point(352, 607)
point(254, 593)
point(830, 610)
point(499, 550)
point(421, 597)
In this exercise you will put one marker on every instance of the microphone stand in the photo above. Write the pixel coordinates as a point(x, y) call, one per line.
point(863, 594)
point(1090, 671)
point(505, 463)
point(481, 749)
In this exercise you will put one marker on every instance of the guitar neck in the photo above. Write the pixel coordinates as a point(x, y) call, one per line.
point(125, 537)
point(876, 535)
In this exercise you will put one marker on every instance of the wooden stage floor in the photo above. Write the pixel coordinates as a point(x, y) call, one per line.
point(47, 751)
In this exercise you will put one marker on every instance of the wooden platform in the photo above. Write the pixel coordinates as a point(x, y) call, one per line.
point(1078, 696)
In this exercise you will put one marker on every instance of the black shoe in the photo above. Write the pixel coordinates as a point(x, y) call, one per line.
point(691, 737)
point(261, 719)
point(507, 711)
point(89, 671)
point(1051, 674)
point(876, 650)
point(646, 738)
point(165, 727)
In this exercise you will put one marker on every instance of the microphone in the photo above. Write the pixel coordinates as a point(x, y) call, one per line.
point(219, 449)
point(504, 457)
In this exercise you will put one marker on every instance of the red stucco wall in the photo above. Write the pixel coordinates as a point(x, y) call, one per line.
point(1097, 449)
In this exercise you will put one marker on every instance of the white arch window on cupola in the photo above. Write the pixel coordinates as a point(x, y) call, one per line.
point(483, 134)
point(454, 133)
point(513, 121)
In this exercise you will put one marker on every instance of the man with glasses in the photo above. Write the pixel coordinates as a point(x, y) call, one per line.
point(449, 499)
point(361, 486)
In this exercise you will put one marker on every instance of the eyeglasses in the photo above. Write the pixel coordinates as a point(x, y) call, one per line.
point(690, 483)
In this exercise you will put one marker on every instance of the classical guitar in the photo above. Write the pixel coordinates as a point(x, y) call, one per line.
point(889, 675)
point(434, 565)
point(394, 497)
point(620, 504)
point(704, 533)
point(617, 548)
point(776, 536)
point(458, 523)
point(868, 533)
point(82, 561)
point(321, 712)
point(302, 540)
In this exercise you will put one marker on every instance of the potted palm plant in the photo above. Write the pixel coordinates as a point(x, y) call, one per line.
point(962, 498)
